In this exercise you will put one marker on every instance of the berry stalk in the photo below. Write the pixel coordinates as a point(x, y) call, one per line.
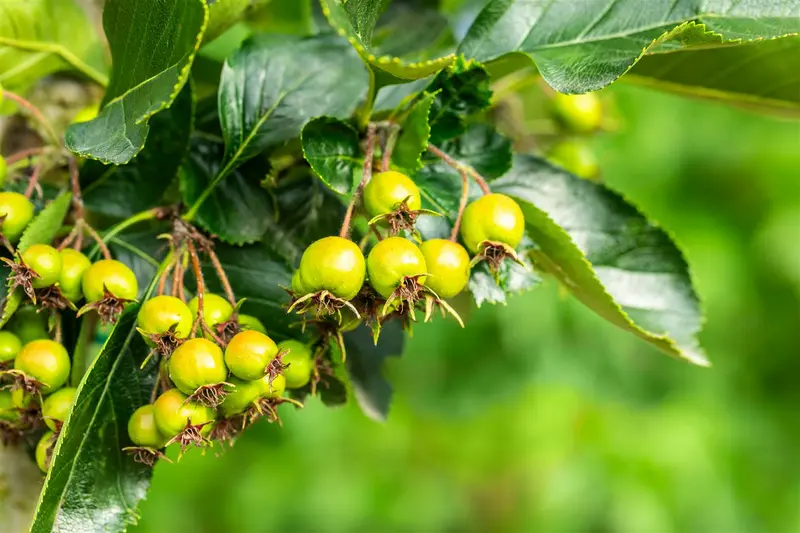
point(458, 165)
point(462, 204)
point(365, 177)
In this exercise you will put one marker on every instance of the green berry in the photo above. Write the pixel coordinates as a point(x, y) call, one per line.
point(196, 363)
point(575, 156)
point(142, 428)
point(391, 261)
point(45, 261)
point(273, 387)
point(216, 309)
point(248, 354)
point(333, 264)
point(173, 412)
point(18, 212)
point(8, 411)
point(298, 357)
point(387, 190)
point(111, 275)
point(249, 322)
point(448, 267)
point(160, 314)
point(45, 361)
point(44, 451)
point(241, 397)
point(56, 407)
point(73, 266)
point(579, 113)
point(493, 217)
point(10, 345)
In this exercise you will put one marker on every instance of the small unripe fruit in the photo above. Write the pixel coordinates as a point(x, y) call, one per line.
point(298, 357)
point(249, 353)
point(195, 363)
point(493, 217)
point(251, 323)
point(3, 170)
point(448, 267)
point(45, 261)
point(142, 428)
point(273, 388)
point(297, 284)
point(44, 451)
point(56, 406)
point(28, 325)
point(579, 113)
point(241, 397)
point(115, 276)
point(18, 212)
point(216, 309)
point(333, 264)
point(159, 314)
point(173, 412)
point(10, 345)
point(575, 156)
point(73, 266)
point(8, 411)
point(387, 190)
point(392, 260)
point(45, 361)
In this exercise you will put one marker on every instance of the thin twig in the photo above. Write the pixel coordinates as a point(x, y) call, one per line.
point(162, 280)
point(36, 114)
point(99, 240)
point(462, 204)
point(176, 275)
point(74, 178)
point(461, 166)
point(389, 147)
point(33, 182)
point(25, 154)
point(201, 286)
point(365, 177)
point(223, 278)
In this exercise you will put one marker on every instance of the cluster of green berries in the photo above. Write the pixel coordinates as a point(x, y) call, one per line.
point(210, 383)
point(577, 116)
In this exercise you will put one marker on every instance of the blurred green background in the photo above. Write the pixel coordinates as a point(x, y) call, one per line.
point(542, 417)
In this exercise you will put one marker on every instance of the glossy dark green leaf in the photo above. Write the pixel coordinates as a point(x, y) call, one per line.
point(153, 43)
point(237, 210)
point(461, 90)
point(333, 150)
point(45, 226)
point(122, 191)
point(92, 484)
point(413, 139)
point(608, 255)
point(222, 14)
point(585, 49)
point(511, 278)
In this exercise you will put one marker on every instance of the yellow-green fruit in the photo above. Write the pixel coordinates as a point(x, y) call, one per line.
point(28, 325)
point(391, 261)
point(576, 157)
point(56, 406)
point(86, 114)
point(115, 276)
point(142, 428)
point(73, 266)
point(10, 345)
point(45, 361)
point(249, 353)
point(45, 261)
point(162, 313)
point(197, 363)
point(493, 217)
point(216, 309)
point(241, 397)
point(297, 284)
point(387, 190)
point(298, 357)
point(333, 264)
point(173, 412)
point(3, 171)
point(579, 113)
point(18, 212)
point(274, 387)
point(251, 323)
point(44, 451)
point(8, 411)
point(448, 267)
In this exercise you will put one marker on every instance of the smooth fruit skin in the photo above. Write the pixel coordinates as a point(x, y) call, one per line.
point(298, 357)
point(3, 169)
point(249, 322)
point(73, 266)
point(172, 413)
point(448, 267)
point(297, 284)
point(493, 217)
point(45, 361)
point(249, 353)
point(333, 264)
point(142, 428)
point(390, 261)
point(386, 190)
point(46, 443)
point(18, 211)
point(241, 397)
point(216, 309)
point(579, 113)
point(195, 363)
point(114, 275)
point(45, 261)
point(576, 157)
point(274, 389)
point(10, 345)
point(157, 315)
point(56, 406)
point(28, 325)
point(8, 411)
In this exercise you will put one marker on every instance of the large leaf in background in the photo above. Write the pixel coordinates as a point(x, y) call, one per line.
point(92, 484)
point(587, 47)
point(333, 150)
point(38, 37)
point(153, 43)
point(606, 253)
point(237, 210)
point(222, 14)
point(387, 49)
point(761, 75)
point(461, 90)
point(121, 191)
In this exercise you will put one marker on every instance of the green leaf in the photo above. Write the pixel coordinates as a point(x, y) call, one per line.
point(39, 37)
point(760, 76)
point(365, 363)
point(89, 449)
point(413, 139)
point(11, 303)
point(356, 20)
point(586, 49)
point(45, 226)
point(222, 14)
point(462, 90)
point(606, 253)
point(511, 278)
point(238, 210)
point(333, 150)
point(122, 191)
point(153, 44)
point(287, 17)
point(142, 251)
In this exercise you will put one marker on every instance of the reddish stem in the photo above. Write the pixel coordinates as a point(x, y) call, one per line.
point(461, 166)
point(365, 177)
point(388, 148)
point(223, 278)
point(36, 114)
point(462, 204)
point(33, 183)
point(23, 154)
point(97, 238)
point(162, 281)
point(201, 286)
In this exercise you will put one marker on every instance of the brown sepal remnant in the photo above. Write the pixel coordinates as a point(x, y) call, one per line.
point(210, 395)
point(494, 253)
point(165, 343)
point(109, 308)
point(276, 367)
point(225, 331)
point(52, 298)
point(226, 430)
point(21, 276)
point(145, 455)
point(10, 434)
point(322, 303)
point(21, 380)
point(191, 436)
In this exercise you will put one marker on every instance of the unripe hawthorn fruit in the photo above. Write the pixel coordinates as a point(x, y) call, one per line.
point(196, 363)
point(115, 276)
point(216, 309)
point(578, 113)
point(248, 354)
point(273, 387)
point(387, 190)
point(392, 260)
point(159, 314)
point(241, 397)
point(493, 217)
point(73, 266)
point(18, 212)
point(298, 357)
point(8, 411)
point(575, 156)
point(45, 261)
point(297, 284)
point(448, 267)
point(44, 451)
point(333, 264)
point(10, 345)
point(28, 325)
point(251, 323)
point(45, 361)
point(142, 428)
point(173, 412)
point(3, 170)
point(55, 407)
